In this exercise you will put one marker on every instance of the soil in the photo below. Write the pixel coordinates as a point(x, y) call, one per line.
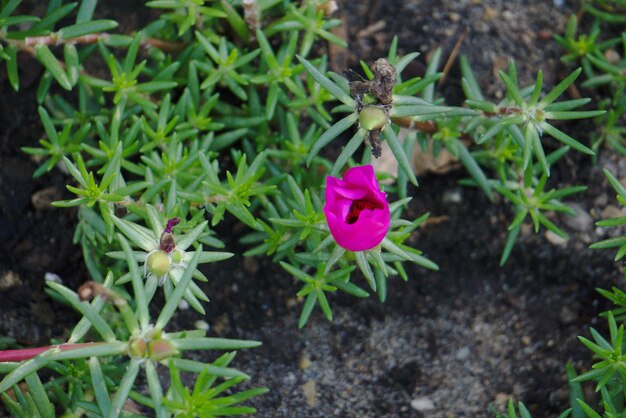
point(470, 335)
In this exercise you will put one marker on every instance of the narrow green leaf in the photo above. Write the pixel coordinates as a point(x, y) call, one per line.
point(323, 302)
point(560, 88)
point(48, 60)
point(85, 12)
point(537, 89)
point(398, 152)
point(335, 256)
point(206, 343)
point(404, 61)
point(617, 185)
point(86, 28)
point(609, 243)
point(139, 235)
point(192, 236)
point(420, 110)
point(381, 285)
point(84, 325)
point(172, 303)
point(71, 63)
point(566, 105)
point(350, 288)
point(538, 150)
point(86, 309)
point(330, 134)
point(12, 67)
point(156, 390)
point(38, 392)
point(307, 308)
point(568, 115)
point(512, 88)
point(332, 88)
point(474, 169)
point(137, 282)
point(588, 410)
point(566, 139)
point(364, 266)
point(508, 246)
point(470, 85)
point(9, 8)
point(218, 368)
point(351, 147)
point(575, 391)
point(268, 53)
point(124, 388)
point(236, 22)
point(433, 64)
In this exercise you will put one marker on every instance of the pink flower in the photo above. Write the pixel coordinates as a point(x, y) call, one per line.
point(356, 209)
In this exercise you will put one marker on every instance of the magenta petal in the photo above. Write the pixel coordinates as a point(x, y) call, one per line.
point(372, 222)
point(363, 176)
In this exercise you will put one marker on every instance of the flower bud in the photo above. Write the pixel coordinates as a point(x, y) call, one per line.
point(159, 263)
point(372, 117)
point(167, 243)
point(161, 349)
point(91, 289)
point(137, 347)
point(177, 256)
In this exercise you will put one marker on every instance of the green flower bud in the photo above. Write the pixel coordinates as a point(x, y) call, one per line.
point(159, 263)
point(372, 117)
point(137, 347)
point(177, 256)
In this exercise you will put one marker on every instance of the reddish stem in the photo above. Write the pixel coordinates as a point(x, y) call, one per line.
point(96, 37)
point(23, 354)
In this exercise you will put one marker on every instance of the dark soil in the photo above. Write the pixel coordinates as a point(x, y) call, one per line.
point(462, 338)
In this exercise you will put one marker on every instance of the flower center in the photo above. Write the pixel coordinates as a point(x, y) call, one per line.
point(357, 207)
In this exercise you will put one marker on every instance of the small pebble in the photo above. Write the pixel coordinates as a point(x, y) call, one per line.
point(9, 279)
point(309, 390)
point(612, 56)
point(581, 221)
point(554, 239)
point(612, 211)
point(42, 199)
point(304, 362)
point(422, 404)
point(203, 325)
point(452, 196)
point(463, 353)
point(502, 399)
point(454, 17)
point(567, 316)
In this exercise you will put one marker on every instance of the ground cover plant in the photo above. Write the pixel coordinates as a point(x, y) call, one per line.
point(224, 111)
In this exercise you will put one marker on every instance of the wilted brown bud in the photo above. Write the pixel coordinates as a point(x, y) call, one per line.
point(381, 86)
point(91, 289)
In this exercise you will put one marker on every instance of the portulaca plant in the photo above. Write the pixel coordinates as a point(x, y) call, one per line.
point(218, 112)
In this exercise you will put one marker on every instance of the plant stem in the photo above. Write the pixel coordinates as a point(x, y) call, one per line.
point(23, 354)
point(29, 42)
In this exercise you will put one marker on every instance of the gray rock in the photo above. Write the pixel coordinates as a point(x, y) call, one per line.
point(463, 353)
point(581, 221)
point(422, 404)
